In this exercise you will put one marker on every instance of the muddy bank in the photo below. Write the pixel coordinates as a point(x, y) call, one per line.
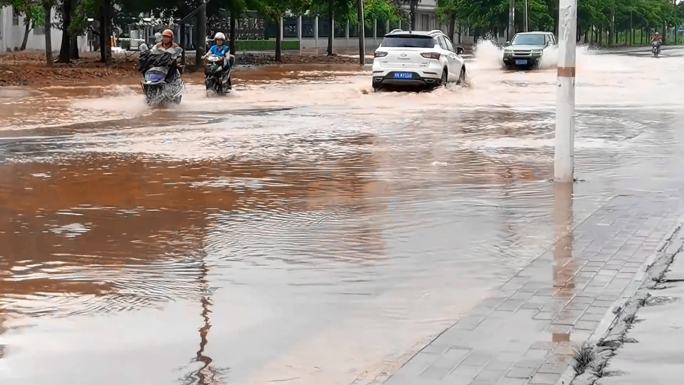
point(29, 69)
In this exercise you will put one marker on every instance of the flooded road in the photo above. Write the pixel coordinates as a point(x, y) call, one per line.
point(303, 230)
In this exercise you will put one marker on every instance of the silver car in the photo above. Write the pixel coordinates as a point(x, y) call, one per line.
point(527, 49)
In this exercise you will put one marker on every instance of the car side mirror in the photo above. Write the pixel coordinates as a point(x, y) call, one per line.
point(508, 43)
point(459, 50)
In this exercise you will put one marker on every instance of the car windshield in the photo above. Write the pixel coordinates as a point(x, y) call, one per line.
point(408, 41)
point(528, 39)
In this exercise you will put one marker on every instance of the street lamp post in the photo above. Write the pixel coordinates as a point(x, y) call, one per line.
point(565, 97)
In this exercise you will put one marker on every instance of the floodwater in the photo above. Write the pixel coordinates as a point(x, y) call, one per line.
point(303, 230)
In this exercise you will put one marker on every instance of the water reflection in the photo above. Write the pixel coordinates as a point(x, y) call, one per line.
point(564, 265)
point(207, 373)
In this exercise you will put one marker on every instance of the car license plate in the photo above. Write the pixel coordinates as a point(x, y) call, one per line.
point(521, 62)
point(403, 75)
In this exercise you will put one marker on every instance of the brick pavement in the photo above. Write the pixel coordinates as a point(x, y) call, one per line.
point(526, 332)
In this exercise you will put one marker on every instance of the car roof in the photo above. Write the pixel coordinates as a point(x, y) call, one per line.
point(432, 33)
point(534, 33)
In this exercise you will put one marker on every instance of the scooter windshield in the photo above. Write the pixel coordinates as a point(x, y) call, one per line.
point(155, 75)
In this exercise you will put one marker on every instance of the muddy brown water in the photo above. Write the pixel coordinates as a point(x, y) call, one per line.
point(303, 230)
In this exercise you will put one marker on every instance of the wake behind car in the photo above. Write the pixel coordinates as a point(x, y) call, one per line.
point(527, 49)
point(417, 59)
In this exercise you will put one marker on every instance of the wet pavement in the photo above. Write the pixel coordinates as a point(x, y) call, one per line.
point(303, 230)
point(654, 344)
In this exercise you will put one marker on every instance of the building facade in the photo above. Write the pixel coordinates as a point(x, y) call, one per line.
point(12, 30)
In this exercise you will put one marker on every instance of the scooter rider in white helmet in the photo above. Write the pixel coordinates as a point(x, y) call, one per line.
point(220, 49)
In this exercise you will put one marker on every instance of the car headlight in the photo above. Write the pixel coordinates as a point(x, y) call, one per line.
point(508, 52)
point(537, 51)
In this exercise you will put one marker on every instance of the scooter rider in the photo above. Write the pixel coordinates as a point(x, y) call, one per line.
point(167, 44)
point(220, 50)
point(657, 38)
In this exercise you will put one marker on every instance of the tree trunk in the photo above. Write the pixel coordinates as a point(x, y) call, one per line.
point(107, 32)
point(102, 37)
point(331, 26)
point(65, 50)
point(47, 7)
point(452, 26)
point(181, 40)
point(279, 44)
point(233, 31)
point(74, 48)
point(201, 45)
point(361, 27)
point(27, 29)
point(586, 35)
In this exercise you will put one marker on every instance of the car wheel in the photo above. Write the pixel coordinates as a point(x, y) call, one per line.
point(462, 77)
point(376, 87)
point(445, 78)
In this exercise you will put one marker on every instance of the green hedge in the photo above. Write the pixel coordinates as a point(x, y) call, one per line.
point(265, 45)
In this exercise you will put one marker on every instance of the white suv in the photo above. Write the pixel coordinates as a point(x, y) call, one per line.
point(417, 58)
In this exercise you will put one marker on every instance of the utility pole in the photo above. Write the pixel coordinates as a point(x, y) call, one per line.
point(564, 156)
point(201, 43)
point(511, 20)
point(527, 20)
point(362, 34)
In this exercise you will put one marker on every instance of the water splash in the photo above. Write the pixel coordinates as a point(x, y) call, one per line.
point(488, 55)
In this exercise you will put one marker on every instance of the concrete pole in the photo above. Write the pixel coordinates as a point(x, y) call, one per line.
point(387, 26)
point(375, 29)
point(299, 33)
point(281, 27)
point(527, 19)
point(362, 35)
point(316, 33)
point(346, 30)
point(564, 157)
point(511, 20)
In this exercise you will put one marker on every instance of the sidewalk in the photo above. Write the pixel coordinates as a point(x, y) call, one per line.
point(528, 332)
point(654, 349)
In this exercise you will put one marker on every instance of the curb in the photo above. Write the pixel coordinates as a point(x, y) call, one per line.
point(618, 307)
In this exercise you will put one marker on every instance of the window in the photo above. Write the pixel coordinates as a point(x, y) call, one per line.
point(442, 43)
point(529, 39)
point(408, 41)
point(449, 45)
point(426, 22)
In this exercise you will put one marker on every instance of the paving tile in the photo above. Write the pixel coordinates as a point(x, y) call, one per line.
point(512, 381)
point(592, 317)
point(446, 362)
point(477, 359)
point(511, 305)
point(490, 376)
point(544, 379)
point(587, 325)
point(543, 316)
point(521, 372)
point(552, 368)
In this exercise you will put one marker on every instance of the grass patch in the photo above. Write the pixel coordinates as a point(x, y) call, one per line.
point(265, 45)
point(584, 356)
